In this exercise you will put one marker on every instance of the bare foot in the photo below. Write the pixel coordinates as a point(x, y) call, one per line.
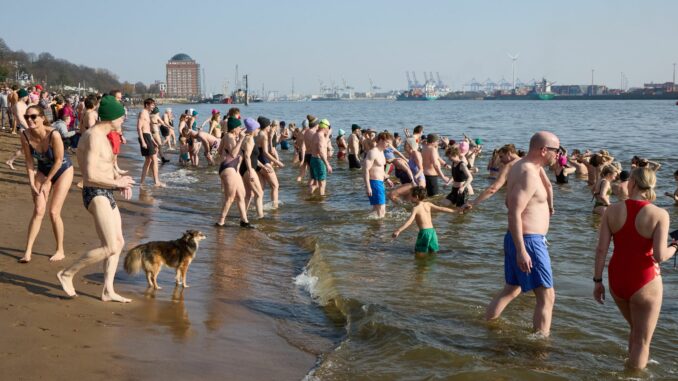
point(79, 184)
point(10, 164)
point(160, 184)
point(66, 283)
point(25, 259)
point(59, 255)
point(108, 297)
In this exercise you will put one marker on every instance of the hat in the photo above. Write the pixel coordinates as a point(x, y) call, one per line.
point(215, 111)
point(341, 132)
point(562, 160)
point(38, 87)
point(155, 110)
point(233, 123)
point(324, 123)
point(263, 122)
point(169, 109)
point(413, 143)
point(312, 120)
point(282, 123)
point(355, 127)
point(624, 175)
point(432, 138)
point(194, 113)
point(479, 141)
point(304, 124)
point(22, 93)
point(388, 154)
point(463, 147)
point(251, 125)
point(110, 108)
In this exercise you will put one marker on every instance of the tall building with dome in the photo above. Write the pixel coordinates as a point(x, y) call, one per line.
point(183, 77)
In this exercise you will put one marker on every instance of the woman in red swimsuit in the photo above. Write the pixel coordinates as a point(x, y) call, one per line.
point(640, 230)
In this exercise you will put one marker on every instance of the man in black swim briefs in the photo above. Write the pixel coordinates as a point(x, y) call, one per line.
point(431, 162)
point(96, 161)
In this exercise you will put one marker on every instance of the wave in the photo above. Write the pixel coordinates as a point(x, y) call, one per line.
point(180, 176)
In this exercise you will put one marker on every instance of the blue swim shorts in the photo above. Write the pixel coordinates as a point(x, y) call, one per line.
point(378, 192)
point(541, 275)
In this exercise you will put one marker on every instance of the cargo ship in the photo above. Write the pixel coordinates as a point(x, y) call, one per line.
point(430, 91)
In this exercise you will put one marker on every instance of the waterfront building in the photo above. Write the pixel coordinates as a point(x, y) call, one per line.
point(183, 77)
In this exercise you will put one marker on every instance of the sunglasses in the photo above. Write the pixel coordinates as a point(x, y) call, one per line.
point(32, 117)
point(553, 149)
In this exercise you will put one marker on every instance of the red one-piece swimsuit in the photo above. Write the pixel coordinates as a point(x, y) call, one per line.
point(632, 265)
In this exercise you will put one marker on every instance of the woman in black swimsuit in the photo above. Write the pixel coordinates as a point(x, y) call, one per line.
point(268, 159)
point(461, 178)
point(43, 148)
point(231, 181)
point(250, 166)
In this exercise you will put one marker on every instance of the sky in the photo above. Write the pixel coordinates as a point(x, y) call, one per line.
point(281, 43)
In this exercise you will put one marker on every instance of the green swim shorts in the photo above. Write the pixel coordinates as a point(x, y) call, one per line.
point(427, 241)
point(318, 169)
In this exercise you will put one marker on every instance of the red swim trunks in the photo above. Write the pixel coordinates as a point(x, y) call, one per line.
point(115, 140)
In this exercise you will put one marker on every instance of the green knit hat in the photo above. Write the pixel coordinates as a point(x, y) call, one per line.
point(233, 123)
point(22, 93)
point(110, 108)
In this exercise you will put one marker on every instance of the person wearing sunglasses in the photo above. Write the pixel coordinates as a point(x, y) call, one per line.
point(48, 169)
point(527, 265)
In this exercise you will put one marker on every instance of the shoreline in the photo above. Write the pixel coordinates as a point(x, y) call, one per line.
point(41, 325)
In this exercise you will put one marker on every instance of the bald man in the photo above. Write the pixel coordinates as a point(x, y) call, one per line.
point(527, 266)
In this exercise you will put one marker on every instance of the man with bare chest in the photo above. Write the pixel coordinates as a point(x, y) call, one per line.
point(527, 265)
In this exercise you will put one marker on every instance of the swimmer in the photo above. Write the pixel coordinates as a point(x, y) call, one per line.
point(318, 163)
point(673, 195)
point(147, 144)
point(431, 162)
point(603, 189)
point(354, 147)
point(427, 239)
point(375, 174)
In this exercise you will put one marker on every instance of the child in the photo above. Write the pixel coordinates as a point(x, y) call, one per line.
point(427, 240)
point(674, 195)
point(183, 150)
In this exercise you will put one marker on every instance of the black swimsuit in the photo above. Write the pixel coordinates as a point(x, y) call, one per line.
point(254, 157)
point(458, 198)
point(561, 178)
point(45, 160)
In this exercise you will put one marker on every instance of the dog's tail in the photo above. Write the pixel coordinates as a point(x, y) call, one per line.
point(133, 259)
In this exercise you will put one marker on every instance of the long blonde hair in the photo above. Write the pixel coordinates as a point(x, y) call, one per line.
point(645, 179)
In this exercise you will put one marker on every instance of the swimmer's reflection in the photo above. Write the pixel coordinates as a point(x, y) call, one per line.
point(171, 314)
point(146, 196)
point(422, 266)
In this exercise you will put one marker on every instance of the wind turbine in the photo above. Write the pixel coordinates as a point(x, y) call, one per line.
point(513, 58)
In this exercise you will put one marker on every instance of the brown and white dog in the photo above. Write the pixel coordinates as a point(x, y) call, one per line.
point(152, 255)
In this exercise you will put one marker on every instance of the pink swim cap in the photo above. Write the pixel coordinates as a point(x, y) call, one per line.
point(562, 160)
point(463, 147)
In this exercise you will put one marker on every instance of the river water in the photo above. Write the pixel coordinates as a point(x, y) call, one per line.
point(339, 287)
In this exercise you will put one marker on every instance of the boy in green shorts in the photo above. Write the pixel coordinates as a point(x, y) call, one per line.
point(427, 240)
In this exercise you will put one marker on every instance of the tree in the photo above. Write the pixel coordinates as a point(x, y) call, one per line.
point(140, 88)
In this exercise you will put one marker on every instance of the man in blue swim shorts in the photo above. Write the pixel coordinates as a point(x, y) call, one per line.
point(527, 266)
point(375, 174)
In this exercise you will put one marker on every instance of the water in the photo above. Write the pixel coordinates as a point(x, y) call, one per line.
point(338, 286)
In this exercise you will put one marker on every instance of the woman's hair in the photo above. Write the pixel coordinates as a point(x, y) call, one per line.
point(645, 180)
point(233, 111)
point(182, 117)
point(41, 112)
point(608, 170)
point(452, 151)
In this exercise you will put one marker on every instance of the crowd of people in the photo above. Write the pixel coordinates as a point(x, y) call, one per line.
point(402, 169)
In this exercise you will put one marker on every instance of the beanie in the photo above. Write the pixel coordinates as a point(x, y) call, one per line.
point(110, 108)
point(251, 125)
point(233, 123)
point(263, 122)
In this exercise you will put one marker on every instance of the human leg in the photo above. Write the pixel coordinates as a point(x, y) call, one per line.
point(645, 306)
point(59, 193)
point(111, 263)
point(106, 226)
point(154, 167)
point(229, 194)
point(10, 161)
point(40, 203)
point(145, 168)
point(543, 311)
point(501, 300)
point(257, 192)
point(272, 180)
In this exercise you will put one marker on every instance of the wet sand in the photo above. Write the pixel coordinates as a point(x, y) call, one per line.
point(48, 336)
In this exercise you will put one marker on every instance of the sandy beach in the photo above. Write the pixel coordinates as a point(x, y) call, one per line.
point(48, 336)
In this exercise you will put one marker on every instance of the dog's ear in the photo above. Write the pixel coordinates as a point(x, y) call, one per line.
point(187, 235)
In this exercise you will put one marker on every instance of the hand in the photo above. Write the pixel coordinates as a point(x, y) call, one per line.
point(35, 190)
point(395, 234)
point(369, 192)
point(552, 211)
point(268, 169)
point(126, 193)
point(122, 139)
point(599, 292)
point(329, 168)
point(466, 207)
point(124, 182)
point(44, 188)
point(281, 165)
point(389, 183)
point(524, 262)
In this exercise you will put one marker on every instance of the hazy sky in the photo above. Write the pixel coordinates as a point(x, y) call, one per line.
point(276, 42)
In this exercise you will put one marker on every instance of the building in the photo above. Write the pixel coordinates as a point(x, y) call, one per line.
point(183, 77)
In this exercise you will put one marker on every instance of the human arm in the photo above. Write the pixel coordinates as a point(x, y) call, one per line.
point(469, 178)
point(58, 149)
point(549, 189)
point(660, 251)
point(323, 154)
point(604, 238)
point(267, 152)
point(492, 189)
point(436, 165)
point(369, 162)
point(443, 209)
point(673, 195)
point(655, 166)
point(602, 192)
point(202, 126)
point(30, 165)
point(407, 224)
point(140, 131)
